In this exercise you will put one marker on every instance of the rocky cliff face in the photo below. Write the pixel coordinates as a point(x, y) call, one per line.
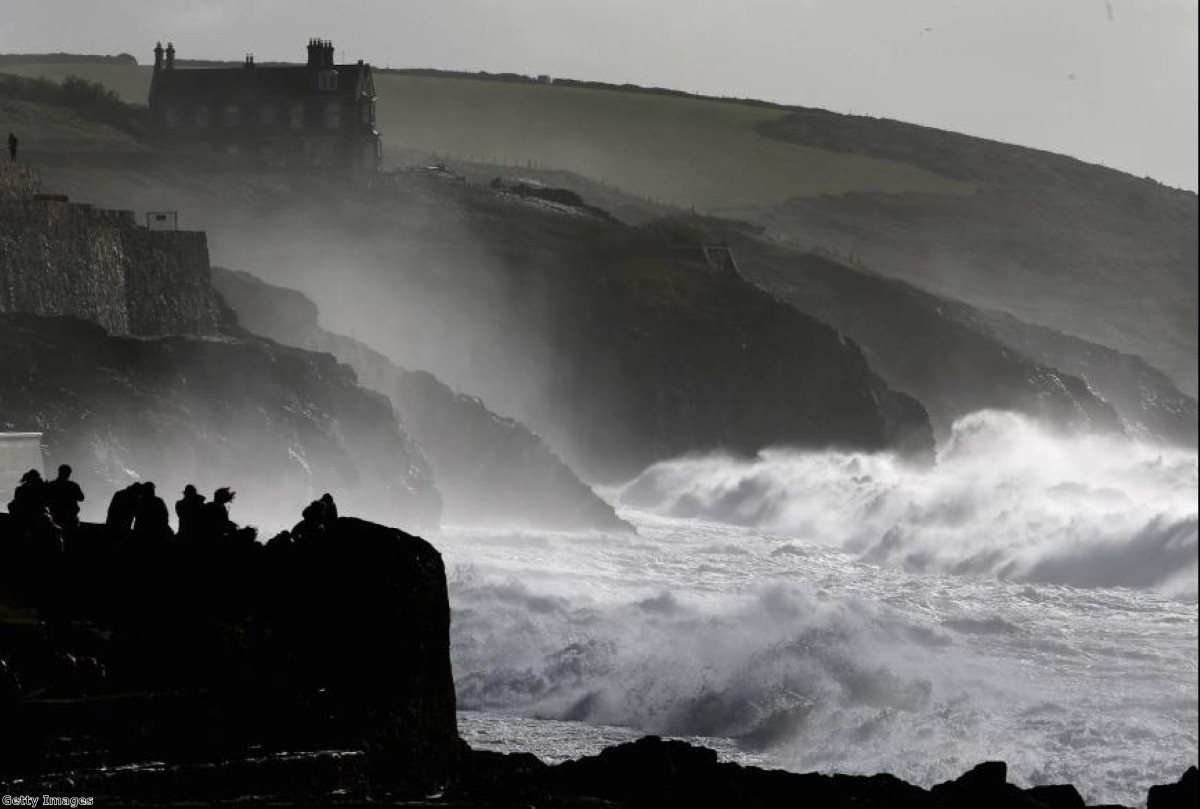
point(1147, 401)
point(957, 359)
point(279, 424)
point(165, 386)
point(489, 469)
point(674, 356)
point(602, 338)
point(64, 258)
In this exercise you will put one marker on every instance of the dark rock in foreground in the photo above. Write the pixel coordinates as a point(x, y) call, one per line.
point(219, 649)
point(652, 772)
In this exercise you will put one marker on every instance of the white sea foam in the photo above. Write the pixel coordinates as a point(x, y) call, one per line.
point(805, 638)
point(1006, 499)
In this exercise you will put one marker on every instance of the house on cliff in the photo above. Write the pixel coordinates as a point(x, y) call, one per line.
point(319, 115)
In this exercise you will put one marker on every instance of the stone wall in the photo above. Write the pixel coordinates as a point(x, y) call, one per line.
point(63, 258)
point(18, 181)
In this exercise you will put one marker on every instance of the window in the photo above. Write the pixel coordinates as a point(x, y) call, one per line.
point(327, 80)
point(266, 115)
point(333, 115)
point(200, 117)
point(173, 116)
point(368, 113)
point(231, 116)
point(318, 152)
point(296, 115)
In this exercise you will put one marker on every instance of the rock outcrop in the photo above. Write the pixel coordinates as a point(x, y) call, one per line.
point(282, 424)
point(653, 772)
point(1146, 400)
point(489, 469)
point(211, 649)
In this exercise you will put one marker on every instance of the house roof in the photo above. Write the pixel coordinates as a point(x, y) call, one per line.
point(231, 84)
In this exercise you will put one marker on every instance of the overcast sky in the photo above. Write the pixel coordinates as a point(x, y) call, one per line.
point(1108, 81)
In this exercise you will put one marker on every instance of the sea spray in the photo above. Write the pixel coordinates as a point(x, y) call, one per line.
point(785, 632)
point(1007, 499)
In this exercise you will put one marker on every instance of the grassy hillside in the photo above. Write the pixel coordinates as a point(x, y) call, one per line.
point(685, 151)
point(131, 82)
point(46, 130)
point(1086, 250)
point(682, 150)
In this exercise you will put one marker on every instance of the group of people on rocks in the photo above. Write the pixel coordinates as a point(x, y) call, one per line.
point(138, 511)
point(47, 505)
point(51, 508)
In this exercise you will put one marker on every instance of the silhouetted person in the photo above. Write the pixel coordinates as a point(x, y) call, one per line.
point(312, 522)
point(215, 522)
point(29, 499)
point(123, 508)
point(12, 147)
point(63, 495)
point(151, 519)
point(280, 544)
point(331, 513)
point(190, 511)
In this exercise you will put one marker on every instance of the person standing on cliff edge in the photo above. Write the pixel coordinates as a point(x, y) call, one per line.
point(12, 147)
point(64, 496)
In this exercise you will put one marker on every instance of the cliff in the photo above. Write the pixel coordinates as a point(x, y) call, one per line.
point(117, 346)
point(280, 424)
point(1147, 401)
point(489, 469)
point(603, 338)
point(957, 359)
point(63, 258)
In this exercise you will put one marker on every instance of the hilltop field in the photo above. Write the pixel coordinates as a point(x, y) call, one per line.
point(1082, 249)
point(684, 151)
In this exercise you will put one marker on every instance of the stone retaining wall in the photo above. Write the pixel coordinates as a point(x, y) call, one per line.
point(65, 258)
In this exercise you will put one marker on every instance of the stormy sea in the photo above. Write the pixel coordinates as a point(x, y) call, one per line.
point(1031, 597)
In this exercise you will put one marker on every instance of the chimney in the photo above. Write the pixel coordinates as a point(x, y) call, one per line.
point(158, 56)
point(170, 56)
point(328, 53)
point(314, 53)
point(249, 61)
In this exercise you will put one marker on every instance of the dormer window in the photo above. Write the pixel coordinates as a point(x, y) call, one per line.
point(327, 80)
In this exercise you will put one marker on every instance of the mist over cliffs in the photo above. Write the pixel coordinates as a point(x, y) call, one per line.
point(490, 469)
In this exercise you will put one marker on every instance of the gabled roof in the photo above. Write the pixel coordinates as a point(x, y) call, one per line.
point(228, 84)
